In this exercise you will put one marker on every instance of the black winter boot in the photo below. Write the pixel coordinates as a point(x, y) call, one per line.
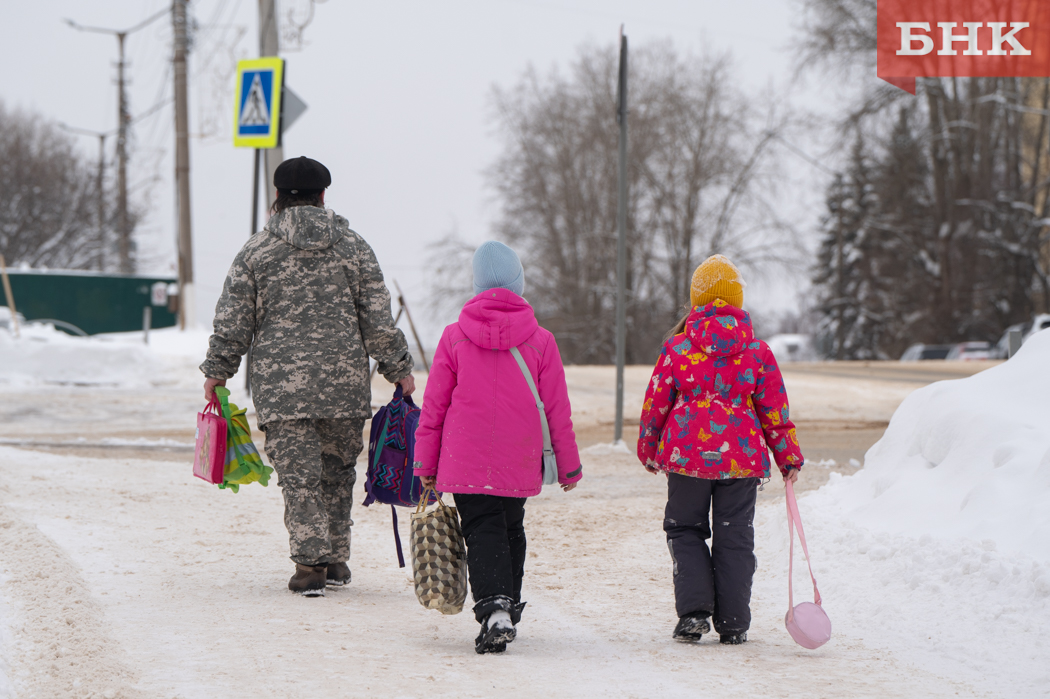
point(308, 581)
point(495, 634)
point(733, 639)
point(338, 574)
point(497, 615)
point(691, 627)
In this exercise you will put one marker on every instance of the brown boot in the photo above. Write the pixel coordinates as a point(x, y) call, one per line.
point(308, 581)
point(338, 574)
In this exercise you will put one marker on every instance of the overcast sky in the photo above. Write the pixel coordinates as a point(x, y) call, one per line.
point(399, 106)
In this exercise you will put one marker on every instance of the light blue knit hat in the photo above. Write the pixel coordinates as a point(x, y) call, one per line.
point(497, 266)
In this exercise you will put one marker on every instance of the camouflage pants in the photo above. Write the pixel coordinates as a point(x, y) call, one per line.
point(314, 460)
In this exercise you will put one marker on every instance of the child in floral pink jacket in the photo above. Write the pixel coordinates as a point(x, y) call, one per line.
point(715, 407)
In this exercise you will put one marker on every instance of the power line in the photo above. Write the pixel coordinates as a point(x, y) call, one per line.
point(123, 122)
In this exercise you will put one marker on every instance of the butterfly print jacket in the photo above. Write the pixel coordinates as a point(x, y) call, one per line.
point(716, 404)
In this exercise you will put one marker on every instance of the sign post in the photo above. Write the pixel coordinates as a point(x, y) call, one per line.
point(621, 238)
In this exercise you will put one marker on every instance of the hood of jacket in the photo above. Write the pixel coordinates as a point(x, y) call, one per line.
point(719, 329)
point(307, 227)
point(497, 319)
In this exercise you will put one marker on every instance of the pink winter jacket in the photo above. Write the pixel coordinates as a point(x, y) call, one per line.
point(479, 431)
point(716, 403)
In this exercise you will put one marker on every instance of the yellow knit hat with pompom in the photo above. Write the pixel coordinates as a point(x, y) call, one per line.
point(717, 278)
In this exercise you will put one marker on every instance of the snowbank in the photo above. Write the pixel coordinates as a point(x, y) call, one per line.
point(968, 458)
point(45, 356)
point(605, 449)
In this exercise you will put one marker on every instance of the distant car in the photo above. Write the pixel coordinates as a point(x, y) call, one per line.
point(967, 351)
point(1039, 322)
point(792, 348)
point(1002, 347)
point(920, 351)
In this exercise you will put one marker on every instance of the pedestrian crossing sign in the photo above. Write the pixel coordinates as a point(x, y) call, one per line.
point(257, 105)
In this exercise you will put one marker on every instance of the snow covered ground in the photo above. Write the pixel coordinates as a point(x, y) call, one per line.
point(125, 577)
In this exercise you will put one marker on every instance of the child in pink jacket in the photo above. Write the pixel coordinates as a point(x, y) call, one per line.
point(715, 408)
point(479, 433)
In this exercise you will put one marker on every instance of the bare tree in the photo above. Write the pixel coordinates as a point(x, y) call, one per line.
point(451, 277)
point(48, 197)
point(698, 155)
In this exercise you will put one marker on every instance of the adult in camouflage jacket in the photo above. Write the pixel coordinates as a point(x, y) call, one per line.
point(307, 295)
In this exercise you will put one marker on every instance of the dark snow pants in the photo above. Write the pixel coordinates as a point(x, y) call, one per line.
point(716, 581)
point(494, 528)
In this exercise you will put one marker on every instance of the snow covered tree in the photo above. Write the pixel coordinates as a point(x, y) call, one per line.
point(852, 299)
point(962, 196)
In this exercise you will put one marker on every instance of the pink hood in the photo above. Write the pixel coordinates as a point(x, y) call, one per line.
point(716, 404)
point(497, 319)
point(479, 431)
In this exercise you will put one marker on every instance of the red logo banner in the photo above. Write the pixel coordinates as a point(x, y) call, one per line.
point(962, 38)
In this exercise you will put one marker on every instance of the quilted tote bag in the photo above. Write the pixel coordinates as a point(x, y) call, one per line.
point(439, 556)
point(807, 622)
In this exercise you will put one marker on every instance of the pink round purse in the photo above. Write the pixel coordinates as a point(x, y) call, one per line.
point(807, 622)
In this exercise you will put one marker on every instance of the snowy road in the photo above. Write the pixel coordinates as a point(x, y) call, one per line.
point(123, 576)
point(129, 579)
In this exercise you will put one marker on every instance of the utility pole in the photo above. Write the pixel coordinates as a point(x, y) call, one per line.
point(100, 251)
point(187, 300)
point(127, 265)
point(268, 46)
point(840, 276)
point(123, 228)
point(621, 239)
point(100, 186)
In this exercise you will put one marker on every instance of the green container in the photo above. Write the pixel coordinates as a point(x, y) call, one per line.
point(92, 301)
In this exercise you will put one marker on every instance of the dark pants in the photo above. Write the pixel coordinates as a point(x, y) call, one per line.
point(716, 581)
point(494, 528)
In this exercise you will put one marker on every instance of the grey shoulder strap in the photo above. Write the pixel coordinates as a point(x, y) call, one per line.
point(547, 448)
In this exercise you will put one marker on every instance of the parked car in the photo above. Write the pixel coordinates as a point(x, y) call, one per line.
point(920, 351)
point(1039, 322)
point(1027, 329)
point(966, 351)
point(1002, 347)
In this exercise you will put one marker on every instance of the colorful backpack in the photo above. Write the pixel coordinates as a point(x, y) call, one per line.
point(391, 448)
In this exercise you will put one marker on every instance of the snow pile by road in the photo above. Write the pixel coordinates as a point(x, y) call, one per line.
point(939, 548)
point(43, 355)
point(968, 458)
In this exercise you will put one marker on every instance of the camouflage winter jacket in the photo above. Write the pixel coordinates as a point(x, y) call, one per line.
point(310, 292)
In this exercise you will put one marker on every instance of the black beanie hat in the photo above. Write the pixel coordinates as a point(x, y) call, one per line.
point(301, 174)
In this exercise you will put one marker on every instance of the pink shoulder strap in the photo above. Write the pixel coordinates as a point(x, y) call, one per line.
point(794, 520)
